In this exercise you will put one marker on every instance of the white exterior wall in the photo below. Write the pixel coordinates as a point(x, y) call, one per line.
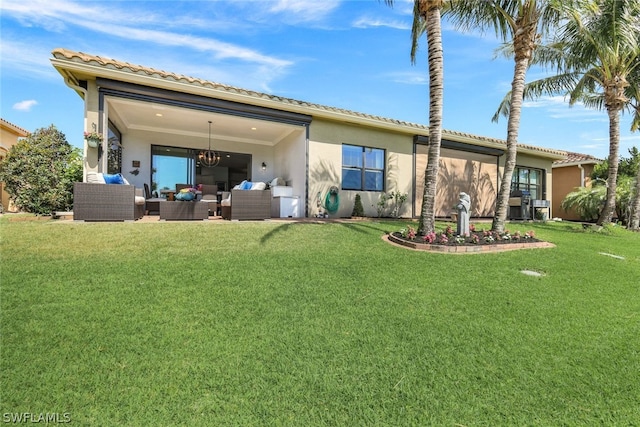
point(325, 164)
point(290, 163)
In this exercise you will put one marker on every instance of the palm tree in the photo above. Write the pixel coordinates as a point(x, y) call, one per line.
point(596, 53)
point(426, 18)
point(634, 221)
point(521, 23)
point(634, 91)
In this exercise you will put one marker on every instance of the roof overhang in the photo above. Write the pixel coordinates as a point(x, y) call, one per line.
point(76, 67)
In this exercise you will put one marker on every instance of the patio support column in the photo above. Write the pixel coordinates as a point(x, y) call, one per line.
point(91, 118)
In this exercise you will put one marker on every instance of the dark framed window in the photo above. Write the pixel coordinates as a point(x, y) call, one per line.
point(528, 179)
point(362, 168)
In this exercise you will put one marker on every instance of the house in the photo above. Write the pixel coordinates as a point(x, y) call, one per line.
point(155, 123)
point(574, 171)
point(9, 135)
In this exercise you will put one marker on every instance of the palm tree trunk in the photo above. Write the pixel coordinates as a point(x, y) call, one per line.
point(517, 89)
point(614, 142)
point(634, 221)
point(434, 40)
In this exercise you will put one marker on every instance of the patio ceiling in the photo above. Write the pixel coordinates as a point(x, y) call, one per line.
point(130, 114)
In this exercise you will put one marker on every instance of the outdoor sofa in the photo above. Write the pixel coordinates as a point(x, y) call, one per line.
point(247, 201)
point(94, 201)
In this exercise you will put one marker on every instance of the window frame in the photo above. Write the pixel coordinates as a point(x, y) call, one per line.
point(363, 169)
point(540, 193)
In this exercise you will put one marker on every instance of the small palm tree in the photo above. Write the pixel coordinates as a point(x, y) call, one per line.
point(586, 201)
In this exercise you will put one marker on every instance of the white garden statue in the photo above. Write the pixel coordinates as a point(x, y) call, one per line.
point(464, 208)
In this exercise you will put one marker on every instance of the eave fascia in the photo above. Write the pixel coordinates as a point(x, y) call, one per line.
point(582, 163)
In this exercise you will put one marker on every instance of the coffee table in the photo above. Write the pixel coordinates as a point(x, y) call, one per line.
point(181, 210)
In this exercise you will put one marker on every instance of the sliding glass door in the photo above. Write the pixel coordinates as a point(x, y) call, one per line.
point(171, 166)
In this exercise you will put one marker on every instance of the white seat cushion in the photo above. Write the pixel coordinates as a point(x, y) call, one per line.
point(95, 178)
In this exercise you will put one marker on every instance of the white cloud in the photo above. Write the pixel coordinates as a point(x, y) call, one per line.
point(558, 107)
point(127, 24)
point(32, 65)
point(138, 25)
point(367, 22)
point(219, 49)
point(411, 78)
point(306, 10)
point(25, 105)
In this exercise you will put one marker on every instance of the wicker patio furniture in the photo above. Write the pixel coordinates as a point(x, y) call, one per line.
point(249, 205)
point(181, 211)
point(151, 204)
point(210, 195)
point(106, 202)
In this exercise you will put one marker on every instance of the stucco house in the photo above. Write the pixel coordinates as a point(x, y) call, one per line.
point(9, 136)
point(155, 122)
point(574, 171)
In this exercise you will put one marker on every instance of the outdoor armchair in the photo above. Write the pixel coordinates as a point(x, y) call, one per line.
point(106, 202)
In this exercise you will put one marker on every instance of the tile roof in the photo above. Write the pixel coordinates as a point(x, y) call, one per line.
point(108, 63)
point(576, 158)
point(16, 129)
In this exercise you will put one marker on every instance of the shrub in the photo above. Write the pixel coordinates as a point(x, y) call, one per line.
point(39, 172)
point(358, 209)
point(588, 201)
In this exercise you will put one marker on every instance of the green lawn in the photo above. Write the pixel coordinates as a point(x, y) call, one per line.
point(304, 324)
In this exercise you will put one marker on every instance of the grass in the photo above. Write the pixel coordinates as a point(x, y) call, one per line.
point(277, 324)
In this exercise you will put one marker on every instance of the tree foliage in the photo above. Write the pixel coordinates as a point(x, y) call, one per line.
point(39, 172)
point(626, 167)
point(588, 201)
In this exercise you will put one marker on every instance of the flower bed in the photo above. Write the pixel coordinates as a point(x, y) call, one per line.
point(475, 242)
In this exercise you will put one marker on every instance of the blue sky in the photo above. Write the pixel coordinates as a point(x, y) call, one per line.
point(347, 54)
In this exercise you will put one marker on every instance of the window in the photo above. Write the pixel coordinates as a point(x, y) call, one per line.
point(526, 179)
point(114, 150)
point(171, 166)
point(362, 168)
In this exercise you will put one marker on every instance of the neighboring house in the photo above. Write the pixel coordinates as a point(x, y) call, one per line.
point(570, 173)
point(155, 123)
point(9, 135)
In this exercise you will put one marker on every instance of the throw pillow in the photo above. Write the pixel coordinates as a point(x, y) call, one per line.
point(95, 178)
point(246, 185)
point(113, 179)
point(258, 186)
point(278, 181)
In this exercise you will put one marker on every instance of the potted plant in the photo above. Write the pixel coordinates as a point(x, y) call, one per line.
point(93, 139)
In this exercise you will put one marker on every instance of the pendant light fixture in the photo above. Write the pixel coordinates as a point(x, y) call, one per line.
point(209, 158)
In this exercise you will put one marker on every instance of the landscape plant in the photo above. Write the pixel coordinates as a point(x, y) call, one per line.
point(476, 236)
point(39, 172)
point(358, 209)
point(588, 201)
point(285, 323)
